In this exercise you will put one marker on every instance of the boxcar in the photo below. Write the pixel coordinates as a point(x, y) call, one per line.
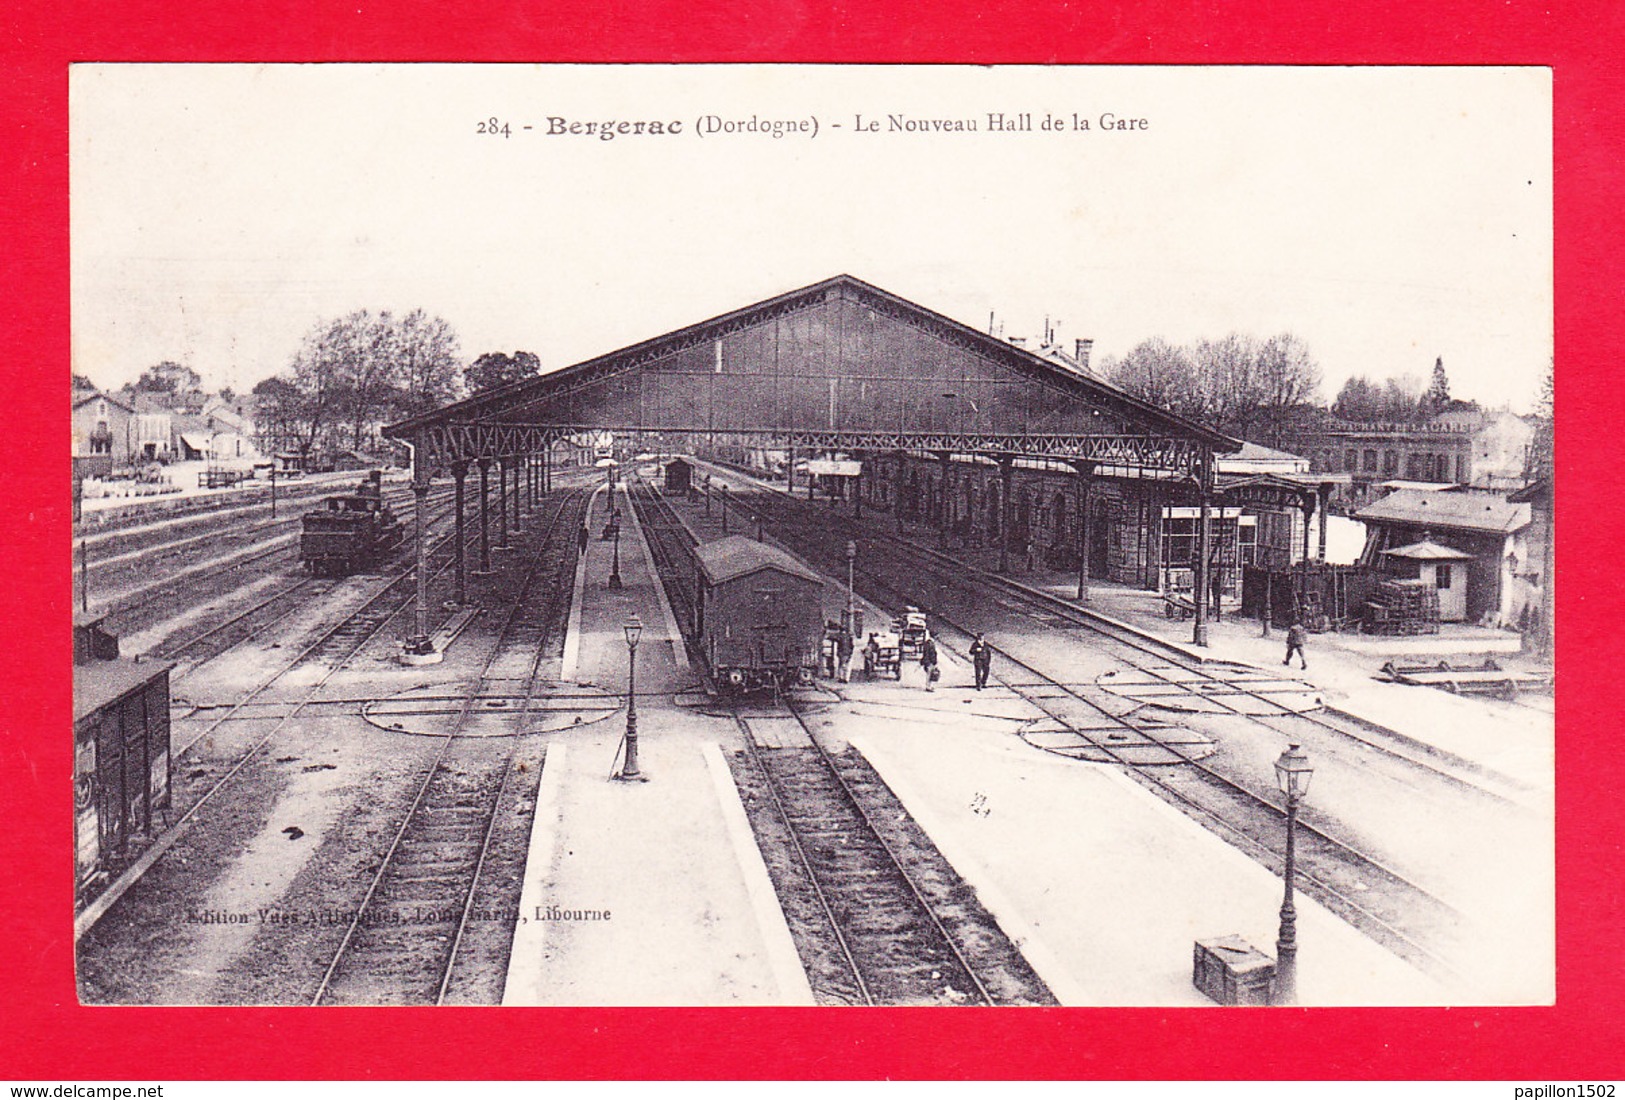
point(679, 476)
point(121, 763)
point(759, 615)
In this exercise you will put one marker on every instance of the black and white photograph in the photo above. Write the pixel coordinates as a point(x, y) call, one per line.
point(812, 535)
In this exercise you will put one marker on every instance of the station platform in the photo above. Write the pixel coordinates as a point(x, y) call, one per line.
point(1511, 740)
point(643, 893)
point(1103, 886)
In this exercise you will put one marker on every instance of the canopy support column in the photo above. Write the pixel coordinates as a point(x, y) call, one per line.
point(1086, 482)
point(418, 648)
point(459, 471)
point(1204, 540)
point(485, 518)
point(1007, 469)
point(1322, 502)
point(502, 503)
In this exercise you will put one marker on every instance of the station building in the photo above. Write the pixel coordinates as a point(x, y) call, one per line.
point(1142, 522)
point(1475, 545)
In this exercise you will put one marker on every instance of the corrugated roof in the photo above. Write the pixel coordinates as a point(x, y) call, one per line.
point(1427, 551)
point(1462, 510)
point(736, 556)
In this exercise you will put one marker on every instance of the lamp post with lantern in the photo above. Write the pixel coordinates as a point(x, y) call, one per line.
point(629, 771)
point(1292, 773)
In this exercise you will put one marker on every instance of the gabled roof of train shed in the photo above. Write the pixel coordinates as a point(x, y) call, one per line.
point(515, 401)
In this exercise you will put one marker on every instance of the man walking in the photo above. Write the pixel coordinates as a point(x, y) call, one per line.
point(843, 655)
point(981, 655)
point(581, 539)
point(1295, 637)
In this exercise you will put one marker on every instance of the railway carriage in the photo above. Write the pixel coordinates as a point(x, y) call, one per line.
point(754, 613)
point(760, 615)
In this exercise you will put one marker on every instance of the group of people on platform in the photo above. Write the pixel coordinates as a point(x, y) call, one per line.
point(839, 659)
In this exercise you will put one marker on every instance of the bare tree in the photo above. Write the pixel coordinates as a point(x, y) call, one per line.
point(1286, 376)
point(1232, 392)
point(1158, 372)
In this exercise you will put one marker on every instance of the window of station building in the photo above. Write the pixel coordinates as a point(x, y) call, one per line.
point(1179, 539)
point(1390, 462)
point(1371, 460)
point(1247, 540)
point(1461, 468)
point(1349, 464)
point(1441, 577)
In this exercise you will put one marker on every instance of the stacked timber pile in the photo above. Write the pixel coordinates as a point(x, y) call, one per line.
point(1403, 607)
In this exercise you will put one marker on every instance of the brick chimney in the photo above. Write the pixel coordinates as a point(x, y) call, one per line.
point(1084, 347)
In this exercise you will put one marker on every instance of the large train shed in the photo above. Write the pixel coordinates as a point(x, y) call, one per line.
point(840, 366)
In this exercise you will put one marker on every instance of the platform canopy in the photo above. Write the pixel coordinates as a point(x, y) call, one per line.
point(839, 366)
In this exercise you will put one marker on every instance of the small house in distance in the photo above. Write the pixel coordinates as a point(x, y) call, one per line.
point(1460, 536)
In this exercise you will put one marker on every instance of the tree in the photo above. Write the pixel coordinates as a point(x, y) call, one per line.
point(1363, 401)
point(1359, 400)
point(1232, 391)
point(169, 377)
point(1437, 398)
point(430, 372)
point(1286, 376)
point(356, 369)
point(1542, 448)
point(1157, 372)
point(496, 368)
point(287, 418)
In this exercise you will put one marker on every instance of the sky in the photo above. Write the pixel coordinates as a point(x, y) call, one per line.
point(1388, 216)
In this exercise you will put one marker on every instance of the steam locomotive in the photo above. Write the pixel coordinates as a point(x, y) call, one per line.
point(350, 532)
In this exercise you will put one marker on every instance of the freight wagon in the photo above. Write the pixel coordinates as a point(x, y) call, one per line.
point(121, 755)
point(759, 615)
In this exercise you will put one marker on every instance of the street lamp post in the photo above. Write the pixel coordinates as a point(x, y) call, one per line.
point(1292, 773)
point(629, 771)
point(851, 557)
point(615, 561)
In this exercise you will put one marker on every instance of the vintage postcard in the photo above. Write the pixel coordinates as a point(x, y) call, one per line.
point(774, 535)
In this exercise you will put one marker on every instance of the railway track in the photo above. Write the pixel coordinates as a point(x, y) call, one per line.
point(402, 942)
point(878, 915)
point(1388, 906)
point(134, 608)
point(327, 653)
point(1176, 666)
